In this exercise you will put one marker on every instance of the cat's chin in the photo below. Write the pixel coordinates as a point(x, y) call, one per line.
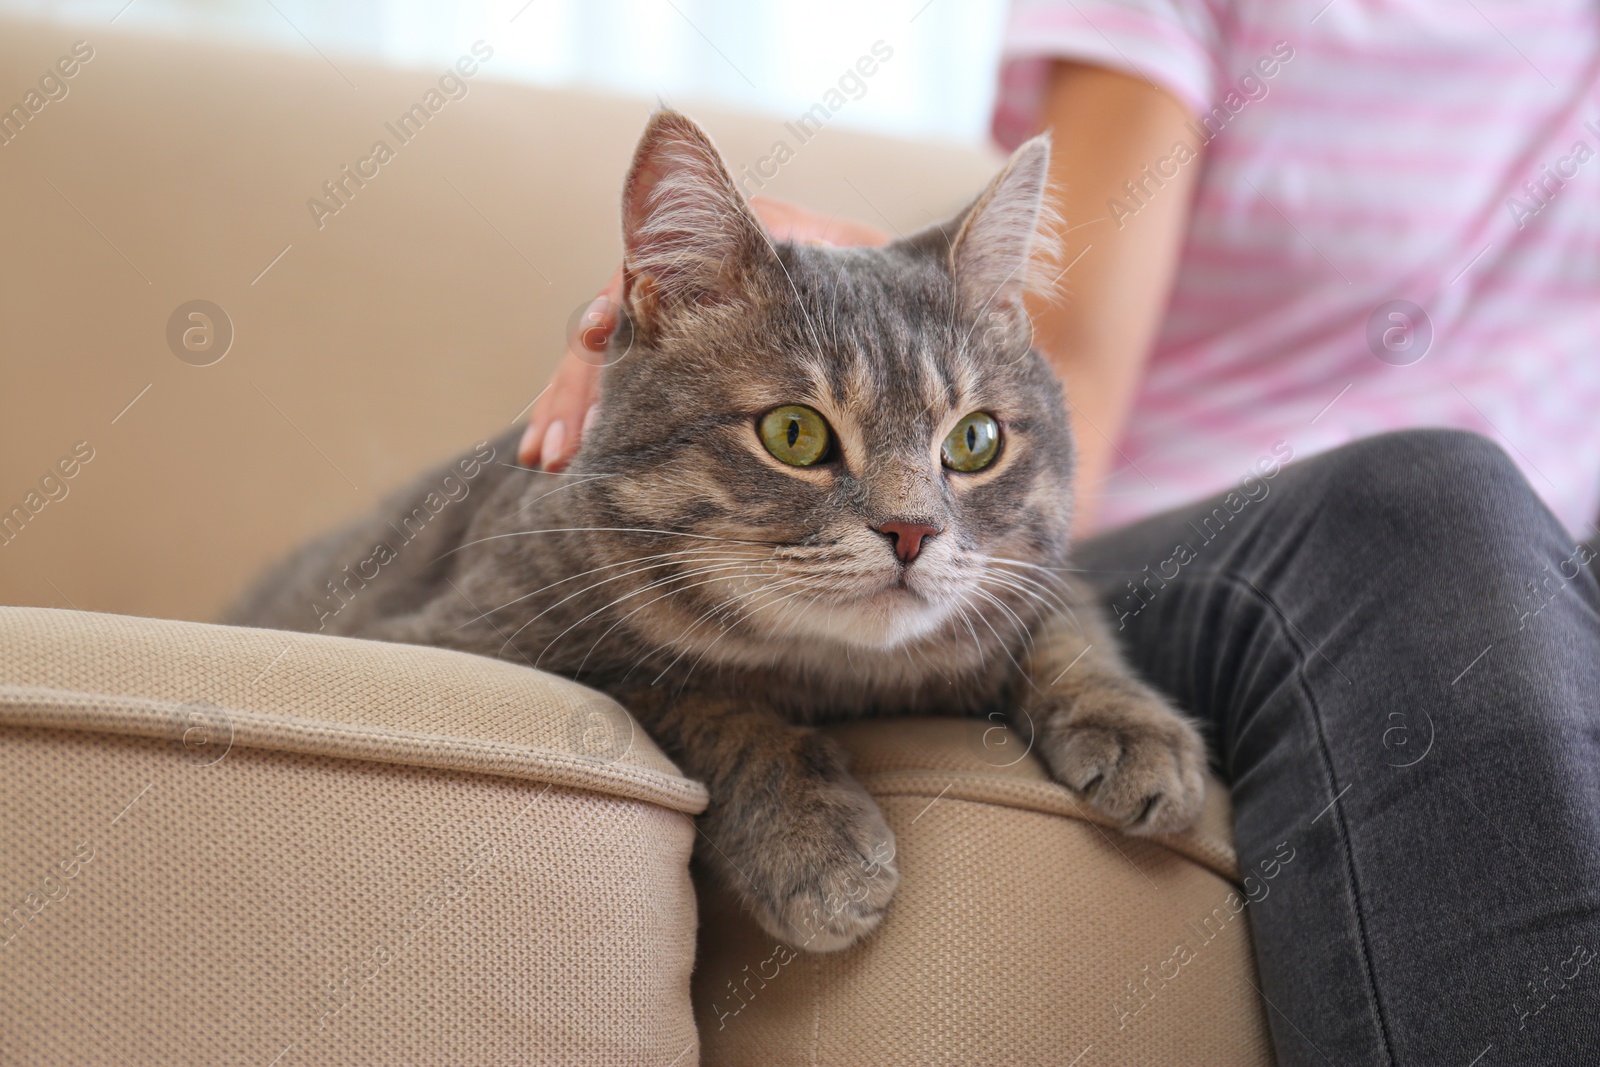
point(885, 620)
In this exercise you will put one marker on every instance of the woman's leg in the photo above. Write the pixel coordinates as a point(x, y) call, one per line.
point(1396, 649)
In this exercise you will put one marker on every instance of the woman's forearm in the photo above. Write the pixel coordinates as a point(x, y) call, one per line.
point(1097, 326)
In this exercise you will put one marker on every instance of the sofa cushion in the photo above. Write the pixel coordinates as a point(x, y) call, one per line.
point(224, 844)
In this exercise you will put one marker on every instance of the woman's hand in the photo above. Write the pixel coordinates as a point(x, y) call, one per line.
point(565, 410)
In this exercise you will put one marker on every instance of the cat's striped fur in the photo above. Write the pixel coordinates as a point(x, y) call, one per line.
point(730, 600)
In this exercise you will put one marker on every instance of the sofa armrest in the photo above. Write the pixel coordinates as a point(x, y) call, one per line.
point(1026, 930)
point(223, 844)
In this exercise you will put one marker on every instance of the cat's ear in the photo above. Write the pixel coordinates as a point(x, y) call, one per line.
point(689, 238)
point(993, 252)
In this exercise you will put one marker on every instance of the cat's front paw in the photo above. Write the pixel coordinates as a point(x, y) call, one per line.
point(824, 876)
point(1138, 762)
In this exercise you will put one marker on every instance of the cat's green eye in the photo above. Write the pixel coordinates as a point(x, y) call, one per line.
point(795, 434)
point(973, 444)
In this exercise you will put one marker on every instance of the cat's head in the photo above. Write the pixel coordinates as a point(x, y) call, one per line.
point(860, 445)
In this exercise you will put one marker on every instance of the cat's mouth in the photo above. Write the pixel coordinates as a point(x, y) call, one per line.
point(897, 592)
point(905, 597)
point(900, 587)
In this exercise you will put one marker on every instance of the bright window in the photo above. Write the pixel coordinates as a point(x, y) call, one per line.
point(774, 56)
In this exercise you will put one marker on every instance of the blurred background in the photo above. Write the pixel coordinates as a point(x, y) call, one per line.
point(202, 157)
point(772, 55)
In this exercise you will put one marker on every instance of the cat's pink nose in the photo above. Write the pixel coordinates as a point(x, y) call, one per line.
point(908, 537)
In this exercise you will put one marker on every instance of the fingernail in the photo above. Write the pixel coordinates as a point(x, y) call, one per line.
point(554, 438)
point(588, 419)
point(596, 331)
point(525, 448)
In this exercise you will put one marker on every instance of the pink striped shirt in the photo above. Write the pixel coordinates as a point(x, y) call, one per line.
point(1363, 160)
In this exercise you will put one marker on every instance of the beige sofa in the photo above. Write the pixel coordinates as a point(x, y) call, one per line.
point(234, 845)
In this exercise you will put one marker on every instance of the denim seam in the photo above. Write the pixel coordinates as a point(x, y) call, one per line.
point(1362, 938)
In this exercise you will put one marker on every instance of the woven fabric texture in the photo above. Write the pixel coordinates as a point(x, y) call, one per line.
point(229, 685)
point(1022, 933)
point(185, 890)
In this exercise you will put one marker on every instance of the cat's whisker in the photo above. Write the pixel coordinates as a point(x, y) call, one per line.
point(578, 479)
point(1004, 645)
point(635, 611)
point(961, 606)
point(776, 634)
point(696, 567)
point(1010, 601)
point(605, 607)
point(614, 529)
point(727, 605)
point(748, 612)
point(584, 573)
point(1068, 612)
point(641, 570)
point(1010, 615)
point(1047, 598)
point(718, 608)
point(665, 559)
point(1055, 584)
point(696, 570)
point(694, 561)
point(1061, 595)
point(789, 619)
point(932, 663)
point(558, 474)
point(1048, 611)
point(668, 581)
point(1038, 566)
point(1022, 672)
point(665, 648)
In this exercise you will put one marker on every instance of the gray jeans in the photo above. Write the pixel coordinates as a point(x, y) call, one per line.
point(1395, 649)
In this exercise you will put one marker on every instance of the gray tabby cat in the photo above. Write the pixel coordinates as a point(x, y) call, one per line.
point(823, 483)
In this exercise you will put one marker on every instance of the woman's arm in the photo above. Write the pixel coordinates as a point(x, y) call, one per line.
point(1097, 330)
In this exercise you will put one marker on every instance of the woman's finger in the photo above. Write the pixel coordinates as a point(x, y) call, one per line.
point(561, 413)
point(558, 415)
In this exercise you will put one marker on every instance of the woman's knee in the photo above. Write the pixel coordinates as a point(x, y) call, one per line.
point(1417, 490)
point(1440, 523)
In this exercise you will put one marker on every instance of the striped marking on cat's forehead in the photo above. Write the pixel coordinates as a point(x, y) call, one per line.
point(880, 328)
point(915, 388)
